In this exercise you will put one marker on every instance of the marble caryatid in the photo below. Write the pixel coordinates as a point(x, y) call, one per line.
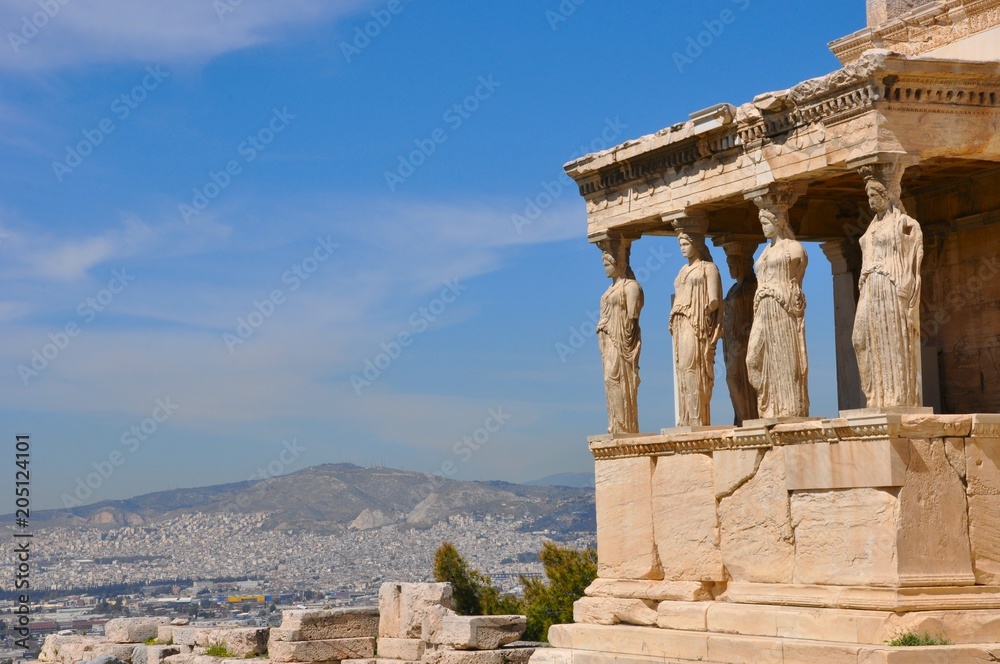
point(777, 364)
point(886, 332)
point(619, 337)
point(696, 325)
point(737, 318)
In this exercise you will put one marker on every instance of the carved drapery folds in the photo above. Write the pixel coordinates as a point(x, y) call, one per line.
point(886, 333)
point(777, 364)
point(619, 337)
point(695, 322)
point(737, 321)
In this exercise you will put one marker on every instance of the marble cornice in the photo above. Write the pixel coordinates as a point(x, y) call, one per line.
point(810, 431)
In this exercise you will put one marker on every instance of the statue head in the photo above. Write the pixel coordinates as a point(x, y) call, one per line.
point(883, 185)
point(616, 254)
point(693, 246)
point(878, 196)
point(740, 265)
point(774, 223)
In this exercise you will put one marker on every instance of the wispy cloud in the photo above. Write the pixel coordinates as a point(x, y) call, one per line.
point(53, 34)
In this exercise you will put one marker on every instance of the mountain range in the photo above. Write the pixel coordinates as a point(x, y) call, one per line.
point(333, 496)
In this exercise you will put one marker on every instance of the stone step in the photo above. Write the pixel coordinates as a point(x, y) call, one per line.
point(623, 644)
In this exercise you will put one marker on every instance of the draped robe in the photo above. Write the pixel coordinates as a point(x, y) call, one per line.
point(695, 332)
point(886, 333)
point(620, 341)
point(777, 364)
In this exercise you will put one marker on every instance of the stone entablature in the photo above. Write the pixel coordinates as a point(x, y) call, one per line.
point(926, 27)
point(883, 103)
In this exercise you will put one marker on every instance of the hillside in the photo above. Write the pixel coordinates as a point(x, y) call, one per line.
point(327, 497)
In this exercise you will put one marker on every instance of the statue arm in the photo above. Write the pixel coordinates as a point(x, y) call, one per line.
point(633, 300)
point(713, 308)
point(913, 243)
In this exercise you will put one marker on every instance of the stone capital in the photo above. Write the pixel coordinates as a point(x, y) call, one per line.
point(621, 236)
point(775, 196)
point(687, 221)
point(737, 245)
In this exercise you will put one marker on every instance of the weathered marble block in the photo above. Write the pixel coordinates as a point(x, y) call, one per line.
point(473, 632)
point(133, 630)
point(322, 650)
point(625, 544)
point(685, 526)
point(325, 624)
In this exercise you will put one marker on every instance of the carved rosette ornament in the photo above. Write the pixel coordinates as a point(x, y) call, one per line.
point(619, 337)
point(777, 364)
point(886, 334)
point(695, 323)
point(737, 320)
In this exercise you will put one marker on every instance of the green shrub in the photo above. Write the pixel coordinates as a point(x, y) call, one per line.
point(914, 639)
point(219, 650)
point(545, 603)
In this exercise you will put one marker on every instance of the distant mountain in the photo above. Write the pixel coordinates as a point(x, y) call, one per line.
point(333, 496)
point(579, 480)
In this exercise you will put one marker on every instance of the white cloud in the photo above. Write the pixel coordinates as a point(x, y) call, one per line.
point(76, 33)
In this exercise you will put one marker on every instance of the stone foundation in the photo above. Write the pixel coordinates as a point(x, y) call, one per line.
point(817, 540)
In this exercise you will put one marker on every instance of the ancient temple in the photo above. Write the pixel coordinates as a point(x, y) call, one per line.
point(796, 536)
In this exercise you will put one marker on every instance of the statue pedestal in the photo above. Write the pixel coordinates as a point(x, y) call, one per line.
point(817, 540)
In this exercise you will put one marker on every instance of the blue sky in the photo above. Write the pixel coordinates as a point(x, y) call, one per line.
point(172, 169)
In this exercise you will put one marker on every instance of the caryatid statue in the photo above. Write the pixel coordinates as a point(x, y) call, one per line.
point(696, 325)
point(736, 321)
point(886, 333)
point(619, 338)
point(777, 364)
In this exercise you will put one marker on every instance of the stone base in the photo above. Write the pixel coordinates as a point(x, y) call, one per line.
point(795, 540)
point(619, 644)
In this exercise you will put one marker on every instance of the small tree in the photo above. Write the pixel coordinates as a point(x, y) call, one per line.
point(473, 591)
point(570, 572)
point(545, 603)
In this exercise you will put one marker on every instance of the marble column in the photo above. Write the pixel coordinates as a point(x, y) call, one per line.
point(619, 336)
point(695, 321)
point(886, 333)
point(777, 362)
point(845, 263)
point(737, 321)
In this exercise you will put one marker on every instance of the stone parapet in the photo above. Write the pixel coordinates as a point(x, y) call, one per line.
point(795, 541)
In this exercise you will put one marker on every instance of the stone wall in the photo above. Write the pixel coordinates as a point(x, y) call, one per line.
point(889, 501)
point(413, 623)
